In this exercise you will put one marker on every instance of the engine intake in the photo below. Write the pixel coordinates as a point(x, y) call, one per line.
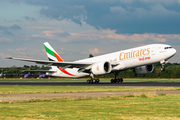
point(101, 68)
point(144, 69)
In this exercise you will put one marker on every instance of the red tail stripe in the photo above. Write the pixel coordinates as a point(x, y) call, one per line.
point(60, 68)
point(58, 58)
point(64, 71)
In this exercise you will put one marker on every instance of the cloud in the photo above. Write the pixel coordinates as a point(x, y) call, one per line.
point(15, 27)
point(61, 34)
point(56, 34)
point(3, 19)
point(19, 51)
point(5, 39)
point(64, 11)
point(5, 30)
point(124, 16)
point(95, 51)
point(29, 18)
point(4, 55)
point(48, 32)
point(8, 33)
point(100, 36)
point(136, 37)
point(24, 51)
point(24, 56)
point(39, 28)
point(112, 36)
point(51, 33)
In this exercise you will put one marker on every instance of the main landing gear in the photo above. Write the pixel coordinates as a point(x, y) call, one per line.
point(116, 80)
point(92, 80)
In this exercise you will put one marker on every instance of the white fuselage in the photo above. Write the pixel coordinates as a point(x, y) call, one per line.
point(124, 59)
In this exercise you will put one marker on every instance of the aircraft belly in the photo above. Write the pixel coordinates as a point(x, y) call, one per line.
point(70, 73)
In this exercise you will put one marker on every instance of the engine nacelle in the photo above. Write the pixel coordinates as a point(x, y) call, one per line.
point(144, 69)
point(101, 68)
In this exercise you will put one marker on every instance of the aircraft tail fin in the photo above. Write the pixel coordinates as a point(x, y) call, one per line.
point(51, 53)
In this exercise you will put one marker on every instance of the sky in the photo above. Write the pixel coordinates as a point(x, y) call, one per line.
point(77, 28)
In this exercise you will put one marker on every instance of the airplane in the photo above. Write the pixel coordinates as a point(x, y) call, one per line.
point(141, 59)
point(39, 75)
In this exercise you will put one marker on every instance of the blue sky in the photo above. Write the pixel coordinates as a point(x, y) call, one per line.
point(76, 28)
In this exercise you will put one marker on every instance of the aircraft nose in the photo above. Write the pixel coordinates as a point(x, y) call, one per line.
point(174, 51)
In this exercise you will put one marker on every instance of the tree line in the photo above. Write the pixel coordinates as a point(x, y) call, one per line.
point(13, 72)
point(172, 71)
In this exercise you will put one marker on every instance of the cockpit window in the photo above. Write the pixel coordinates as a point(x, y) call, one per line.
point(167, 47)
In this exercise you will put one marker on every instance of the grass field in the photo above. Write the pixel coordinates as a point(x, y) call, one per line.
point(71, 89)
point(142, 107)
point(85, 79)
point(138, 107)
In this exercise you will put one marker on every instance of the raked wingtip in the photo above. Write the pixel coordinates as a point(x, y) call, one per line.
point(8, 58)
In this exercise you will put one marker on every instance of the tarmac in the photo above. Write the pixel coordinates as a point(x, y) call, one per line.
point(150, 84)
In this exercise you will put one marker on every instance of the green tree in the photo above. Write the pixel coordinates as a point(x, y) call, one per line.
point(90, 55)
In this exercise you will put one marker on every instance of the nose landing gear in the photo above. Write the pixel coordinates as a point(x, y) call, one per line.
point(163, 62)
point(163, 68)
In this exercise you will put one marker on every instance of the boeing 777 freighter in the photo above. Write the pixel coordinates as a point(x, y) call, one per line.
point(141, 59)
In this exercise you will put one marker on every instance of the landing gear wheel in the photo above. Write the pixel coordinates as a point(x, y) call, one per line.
point(117, 80)
point(97, 81)
point(162, 69)
point(163, 62)
point(112, 80)
point(121, 80)
point(88, 81)
point(91, 81)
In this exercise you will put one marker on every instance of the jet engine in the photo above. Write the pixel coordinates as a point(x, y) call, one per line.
point(144, 69)
point(101, 68)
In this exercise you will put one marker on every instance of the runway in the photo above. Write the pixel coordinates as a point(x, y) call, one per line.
point(153, 84)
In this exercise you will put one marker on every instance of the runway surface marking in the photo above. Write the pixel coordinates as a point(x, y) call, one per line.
point(13, 97)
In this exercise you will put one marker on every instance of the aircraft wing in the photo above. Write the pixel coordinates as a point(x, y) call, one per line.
point(55, 63)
